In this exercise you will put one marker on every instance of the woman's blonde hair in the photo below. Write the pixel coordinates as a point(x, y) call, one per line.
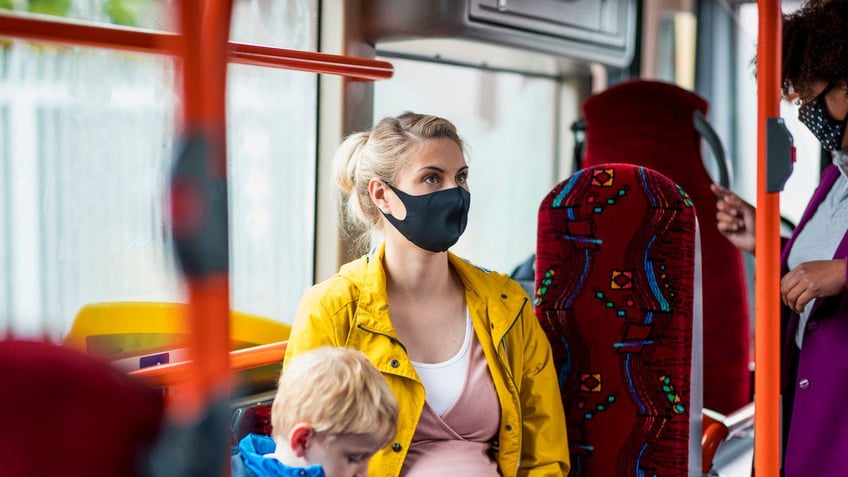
point(336, 391)
point(381, 153)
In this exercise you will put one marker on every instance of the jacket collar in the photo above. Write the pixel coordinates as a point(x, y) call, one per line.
point(483, 287)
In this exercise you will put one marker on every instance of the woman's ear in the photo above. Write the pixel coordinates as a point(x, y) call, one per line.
point(377, 191)
point(299, 438)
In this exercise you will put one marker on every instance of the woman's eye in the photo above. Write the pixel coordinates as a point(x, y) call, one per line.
point(431, 179)
point(462, 178)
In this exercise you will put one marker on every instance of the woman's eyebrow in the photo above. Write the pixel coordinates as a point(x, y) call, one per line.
point(439, 169)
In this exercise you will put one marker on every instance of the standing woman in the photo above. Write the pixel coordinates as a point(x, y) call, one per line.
point(459, 345)
point(813, 283)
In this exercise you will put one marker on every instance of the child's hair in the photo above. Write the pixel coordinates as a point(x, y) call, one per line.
point(381, 153)
point(336, 391)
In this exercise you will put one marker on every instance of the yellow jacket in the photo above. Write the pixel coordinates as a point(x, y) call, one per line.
point(351, 310)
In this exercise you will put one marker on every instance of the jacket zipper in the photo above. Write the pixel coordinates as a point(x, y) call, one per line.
point(369, 330)
point(512, 380)
point(391, 338)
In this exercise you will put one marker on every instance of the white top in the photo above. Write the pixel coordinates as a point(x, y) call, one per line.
point(444, 381)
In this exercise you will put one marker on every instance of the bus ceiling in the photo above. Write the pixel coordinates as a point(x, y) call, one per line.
point(567, 35)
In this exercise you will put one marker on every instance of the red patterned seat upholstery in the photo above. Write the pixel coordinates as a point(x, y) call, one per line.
point(615, 273)
point(650, 124)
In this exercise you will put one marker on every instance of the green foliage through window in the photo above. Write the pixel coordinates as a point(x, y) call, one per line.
point(50, 7)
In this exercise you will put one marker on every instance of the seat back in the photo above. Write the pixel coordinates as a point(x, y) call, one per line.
point(69, 414)
point(615, 273)
point(135, 335)
point(654, 125)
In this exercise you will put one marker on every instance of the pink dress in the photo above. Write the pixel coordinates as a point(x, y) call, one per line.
point(459, 442)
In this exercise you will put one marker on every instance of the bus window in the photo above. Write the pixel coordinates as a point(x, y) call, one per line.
point(805, 176)
point(88, 137)
point(149, 14)
point(509, 121)
point(271, 125)
point(86, 144)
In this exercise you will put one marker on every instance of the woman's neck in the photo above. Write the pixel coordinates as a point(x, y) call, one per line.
point(411, 270)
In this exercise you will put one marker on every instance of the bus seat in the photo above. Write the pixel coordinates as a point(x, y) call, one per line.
point(134, 335)
point(253, 419)
point(616, 266)
point(653, 124)
point(525, 274)
point(69, 414)
point(120, 327)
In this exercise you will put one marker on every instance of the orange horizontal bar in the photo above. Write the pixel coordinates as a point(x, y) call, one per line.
point(76, 32)
point(177, 373)
point(350, 66)
point(257, 356)
point(101, 35)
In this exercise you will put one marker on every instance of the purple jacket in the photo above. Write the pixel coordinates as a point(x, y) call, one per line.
point(817, 444)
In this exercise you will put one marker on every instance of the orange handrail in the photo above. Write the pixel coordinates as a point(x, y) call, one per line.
point(717, 428)
point(83, 33)
point(711, 438)
point(258, 356)
point(178, 373)
point(349, 66)
point(55, 30)
point(767, 282)
point(205, 28)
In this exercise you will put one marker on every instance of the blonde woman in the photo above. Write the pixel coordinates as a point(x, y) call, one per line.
point(459, 345)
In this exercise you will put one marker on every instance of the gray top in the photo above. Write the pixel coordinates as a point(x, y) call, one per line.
point(820, 237)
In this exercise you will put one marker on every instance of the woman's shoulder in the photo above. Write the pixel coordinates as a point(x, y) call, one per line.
point(467, 266)
point(336, 289)
point(486, 276)
point(343, 287)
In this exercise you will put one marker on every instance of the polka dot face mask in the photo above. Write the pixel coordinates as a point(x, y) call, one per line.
point(826, 129)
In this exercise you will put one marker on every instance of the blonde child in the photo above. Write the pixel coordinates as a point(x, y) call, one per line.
point(332, 412)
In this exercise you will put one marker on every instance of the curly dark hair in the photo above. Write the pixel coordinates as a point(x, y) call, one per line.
point(815, 46)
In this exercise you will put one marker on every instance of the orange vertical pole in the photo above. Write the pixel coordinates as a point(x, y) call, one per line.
point(767, 282)
point(205, 29)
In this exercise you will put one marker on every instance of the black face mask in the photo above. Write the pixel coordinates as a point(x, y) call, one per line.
point(433, 221)
point(827, 130)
